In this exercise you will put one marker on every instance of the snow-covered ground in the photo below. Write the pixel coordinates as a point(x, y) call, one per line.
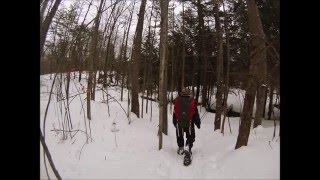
point(119, 150)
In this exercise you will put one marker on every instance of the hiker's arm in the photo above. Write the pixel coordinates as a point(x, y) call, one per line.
point(196, 118)
point(174, 119)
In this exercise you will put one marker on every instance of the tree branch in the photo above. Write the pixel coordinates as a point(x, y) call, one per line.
point(46, 150)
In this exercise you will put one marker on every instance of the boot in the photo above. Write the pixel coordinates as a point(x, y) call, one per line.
point(180, 150)
point(188, 147)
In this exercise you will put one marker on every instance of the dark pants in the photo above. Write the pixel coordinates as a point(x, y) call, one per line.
point(190, 134)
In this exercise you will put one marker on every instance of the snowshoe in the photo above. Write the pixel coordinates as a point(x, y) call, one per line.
point(187, 158)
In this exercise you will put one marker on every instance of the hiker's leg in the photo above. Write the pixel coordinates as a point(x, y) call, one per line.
point(180, 139)
point(193, 134)
point(190, 136)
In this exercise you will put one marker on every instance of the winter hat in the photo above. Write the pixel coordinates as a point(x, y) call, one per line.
point(185, 92)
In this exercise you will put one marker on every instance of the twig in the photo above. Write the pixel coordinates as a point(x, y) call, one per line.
point(88, 136)
point(72, 96)
point(117, 102)
point(82, 109)
point(81, 149)
point(270, 145)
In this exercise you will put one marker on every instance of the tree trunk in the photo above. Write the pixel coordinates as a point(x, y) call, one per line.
point(261, 75)
point(203, 54)
point(92, 57)
point(193, 75)
point(165, 86)
point(46, 24)
point(136, 59)
point(265, 103)
point(143, 85)
point(261, 92)
point(150, 66)
point(113, 60)
point(162, 72)
point(107, 55)
point(183, 48)
point(47, 152)
point(270, 101)
point(147, 61)
point(219, 69)
point(198, 87)
point(43, 8)
point(226, 90)
point(122, 62)
point(257, 56)
point(172, 64)
point(126, 45)
point(111, 26)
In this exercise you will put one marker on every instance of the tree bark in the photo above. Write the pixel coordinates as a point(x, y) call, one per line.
point(136, 59)
point(163, 62)
point(203, 55)
point(261, 93)
point(270, 101)
point(172, 63)
point(165, 88)
point(147, 61)
point(126, 45)
point(108, 49)
point(226, 86)
point(257, 56)
point(92, 57)
point(219, 69)
point(261, 74)
point(265, 103)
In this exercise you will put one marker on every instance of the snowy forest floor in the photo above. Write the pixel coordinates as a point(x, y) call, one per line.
point(119, 150)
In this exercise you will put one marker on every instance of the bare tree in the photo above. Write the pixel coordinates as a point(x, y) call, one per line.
point(43, 34)
point(203, 54)
point(46, 24)
point(135, 60)
point(183, 48)
point(151, 55)
point(146, 62)
point(82, 54)
point(115, 16)
point(261, 74)
point(172, 63)
point(219, 71)
point(270, 101)
point(257, 56)
point(93, 46)
point(226, 82)
point(125, 47)
point(163, 63)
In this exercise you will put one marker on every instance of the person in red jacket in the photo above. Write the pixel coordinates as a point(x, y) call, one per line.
point(185, 116)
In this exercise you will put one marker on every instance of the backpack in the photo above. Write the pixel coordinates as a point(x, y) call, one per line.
point(184, 108)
